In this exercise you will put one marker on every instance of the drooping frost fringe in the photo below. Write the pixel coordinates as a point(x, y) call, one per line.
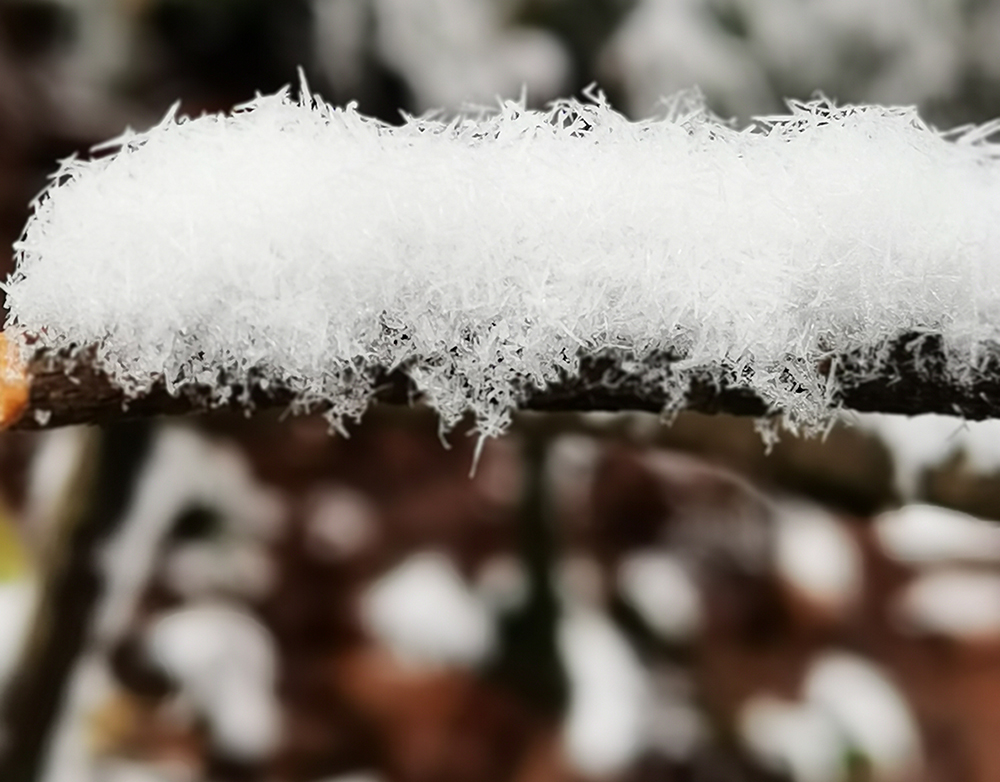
point(312, 243)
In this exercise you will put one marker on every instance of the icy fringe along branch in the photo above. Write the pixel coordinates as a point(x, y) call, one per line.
point(297, 254)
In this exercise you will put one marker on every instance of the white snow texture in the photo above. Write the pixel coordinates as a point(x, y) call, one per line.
point(312, 244)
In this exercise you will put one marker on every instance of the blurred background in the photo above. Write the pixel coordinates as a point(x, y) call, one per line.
point(607, 598)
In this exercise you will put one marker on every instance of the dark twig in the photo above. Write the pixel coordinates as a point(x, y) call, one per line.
point(910, 378)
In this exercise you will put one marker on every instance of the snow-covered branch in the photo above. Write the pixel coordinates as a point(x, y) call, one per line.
point(298, 254)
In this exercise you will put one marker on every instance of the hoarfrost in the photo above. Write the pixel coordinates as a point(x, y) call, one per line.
point(311, 244)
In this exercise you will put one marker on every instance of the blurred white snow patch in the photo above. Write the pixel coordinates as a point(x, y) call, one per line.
point(609, 696)
point(922, 442)
point(162, 492)
point(798, 739)
point(456, 52)
point(314, 225)
point(363, 776)
point(870, 711)
point(726, 517)
point(450, 52)
point(925, 534)
point(426, 613)
point(242, 568)
point(817, 555)
point(340, 523)
point(920, 44)
point(660, 588)
point(668, 45)
point(500, 473)
point(185, 469)
point(18, 599)
point(569, 469)
point(981, 443)
point(675, 726)
point(888, 52)
point(226, 663)
point(70, 755)
point(51, 469)
point(119, 770)
point(339, 31)
point(502, 583)
point(963, 604)
point(984, 39)
point(580, 580)
point(229, 486)
point(916, 48)
point(915, 444)
point(78, 82)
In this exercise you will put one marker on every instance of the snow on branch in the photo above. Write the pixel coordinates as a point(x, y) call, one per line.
point(297, 254)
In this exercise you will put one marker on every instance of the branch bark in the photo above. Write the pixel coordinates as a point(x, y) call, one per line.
point(52, 391)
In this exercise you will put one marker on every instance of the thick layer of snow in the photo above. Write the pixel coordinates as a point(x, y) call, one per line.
point(663, 591)
point(426, 613)
point(920, 534)
point(493, 247)
point(954, 602)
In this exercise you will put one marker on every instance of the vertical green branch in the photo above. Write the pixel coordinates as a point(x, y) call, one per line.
point(529, 662)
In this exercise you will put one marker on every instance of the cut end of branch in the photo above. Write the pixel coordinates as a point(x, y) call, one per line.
point(15, 384)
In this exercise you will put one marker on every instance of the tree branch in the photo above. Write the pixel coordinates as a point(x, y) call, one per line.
point(911, 378)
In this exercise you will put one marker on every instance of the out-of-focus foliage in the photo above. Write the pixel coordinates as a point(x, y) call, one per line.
point(14, 560)
point(747, 55)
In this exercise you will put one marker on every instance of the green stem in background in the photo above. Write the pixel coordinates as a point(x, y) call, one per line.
point(93, 508)
point(529, 661)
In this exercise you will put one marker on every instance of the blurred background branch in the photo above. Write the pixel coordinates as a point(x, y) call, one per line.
point(94, 504)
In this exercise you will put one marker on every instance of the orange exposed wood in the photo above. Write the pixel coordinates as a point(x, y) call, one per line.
point(15, 384)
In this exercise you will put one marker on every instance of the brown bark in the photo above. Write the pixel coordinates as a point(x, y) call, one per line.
point(911, 378)
point(93, 508)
